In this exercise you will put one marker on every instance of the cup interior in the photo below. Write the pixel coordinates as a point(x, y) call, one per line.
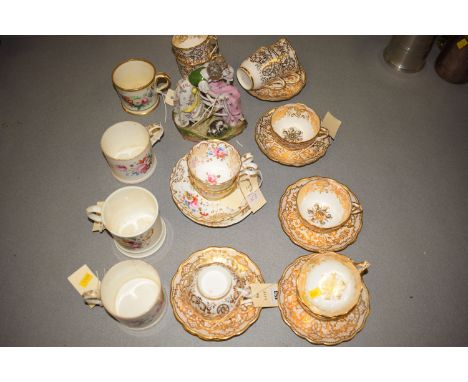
point(130, 289)
point(130, 211)
point(188, 41)
point(124, 140)
point(133, 75)
point(214, 281)
point(295, 123)
point(214, 162)
point(244, 78)
point(324, 203)
point(329, 285)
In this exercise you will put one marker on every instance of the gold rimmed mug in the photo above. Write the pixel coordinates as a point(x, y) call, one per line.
point(192, 51)
point(215, 168)
point(325, 205)
point(296, 126)
point(138, 85)
point(329, 285)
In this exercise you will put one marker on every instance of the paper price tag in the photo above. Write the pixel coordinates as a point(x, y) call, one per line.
point(169, 98)
point(264, 295)
point(252, 194)
point(462, 43)
point(84, 280)
point(331, 123)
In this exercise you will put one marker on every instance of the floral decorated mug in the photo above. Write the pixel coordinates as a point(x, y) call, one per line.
point(127, 147)
point(131, 293)
point(192, 51)
point(215, 168)
point(131, 215)
point(138, 85)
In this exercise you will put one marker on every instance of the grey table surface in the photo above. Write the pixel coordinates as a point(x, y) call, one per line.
point(402, 149)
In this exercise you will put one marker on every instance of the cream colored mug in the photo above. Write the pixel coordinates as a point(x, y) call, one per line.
point(131, 293)
point(138, 85)
point(127, 147)
point(131, 215)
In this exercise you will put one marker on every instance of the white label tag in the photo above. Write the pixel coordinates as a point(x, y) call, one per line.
point(252, 194)
point(169, 98)
point(331, 123)
point(264, 295)
point(84, 280)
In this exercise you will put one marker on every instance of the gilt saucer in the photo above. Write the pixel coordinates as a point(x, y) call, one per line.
point(303, 235)
point(294, 82)
point(313, 329)
point(228, 322)
point(212, 213)
point(273, 149)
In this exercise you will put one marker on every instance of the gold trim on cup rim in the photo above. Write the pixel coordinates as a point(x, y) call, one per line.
point(206, 38)
point(141, 87)
point(248, 75)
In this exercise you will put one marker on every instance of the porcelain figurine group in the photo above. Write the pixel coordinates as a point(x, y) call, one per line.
point(321, 296)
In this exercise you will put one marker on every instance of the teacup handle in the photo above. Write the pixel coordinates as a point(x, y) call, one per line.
point(323, 133)
point(362, 266)
point(92, 297)
point(356, 208)
point(213, 40)
point(166, 81)
point(250, 168)
point(278, 83)
point(94, 213)
point(155, 131)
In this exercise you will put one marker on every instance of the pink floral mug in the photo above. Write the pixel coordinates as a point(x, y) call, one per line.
point(127, 147)
point(131, 215)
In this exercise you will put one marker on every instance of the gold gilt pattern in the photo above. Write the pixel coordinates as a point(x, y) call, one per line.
point(313, 329)
point(283, 88)
point(299, 233)
point(319, 214)
point(264, 135)
point(189, 59)
point(292, 134)
point(237, 321)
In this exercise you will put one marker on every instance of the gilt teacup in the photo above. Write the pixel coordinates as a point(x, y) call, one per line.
point(296, 126)
point(127, 147)
point(215, 167)
point(138, 84)
point(324, 204)
point(131, 293)
point(329, 284)
point(268, 65)
point(131, 215)
point(192, 51)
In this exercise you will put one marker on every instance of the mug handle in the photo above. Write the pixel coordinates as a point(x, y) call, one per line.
point(155, 131)
point(356, 208)
point(323, 133)
point(213, 40)
point(362, 266)
point(248, 167)
point(166, 81)
point(92, 297)
point(95, 213)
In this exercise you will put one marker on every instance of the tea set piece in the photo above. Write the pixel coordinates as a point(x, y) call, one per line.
point(320, 214)
point(322, 298)
point(207, 104)
point(205, 184)
point(272, 73)
point(131, 215)
point(210, 293)
point(138, 85)
point(127, 147)
point(292, 135)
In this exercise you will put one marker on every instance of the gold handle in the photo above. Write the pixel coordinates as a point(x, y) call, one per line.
point(213, 40)
point(362, 266)
point(166, 84)
point(356, 208)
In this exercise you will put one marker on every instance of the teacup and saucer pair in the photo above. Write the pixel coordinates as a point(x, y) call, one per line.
point(206, 183)
point(292, 135)
point(323, 298)
point(320, 214)
point(210, 293)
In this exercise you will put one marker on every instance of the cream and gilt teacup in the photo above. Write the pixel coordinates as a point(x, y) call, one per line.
point(268, 65)
point(296, 126)
point(127, 147)
point(215, 167)
point(324, 204)
point(138, 84)
point(329, 284)
point(192, 51)
point(131, 215)
point(131, 293)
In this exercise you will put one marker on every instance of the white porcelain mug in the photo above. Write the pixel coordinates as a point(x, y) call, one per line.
point(268, 65)
point(127, 147)
point(130, 292)
point(131, 215)
point(138, 84)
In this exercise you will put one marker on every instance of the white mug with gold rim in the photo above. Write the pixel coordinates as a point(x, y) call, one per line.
point(131, 215)
point(127, 147)
point(131, 293)
point(138, 85)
